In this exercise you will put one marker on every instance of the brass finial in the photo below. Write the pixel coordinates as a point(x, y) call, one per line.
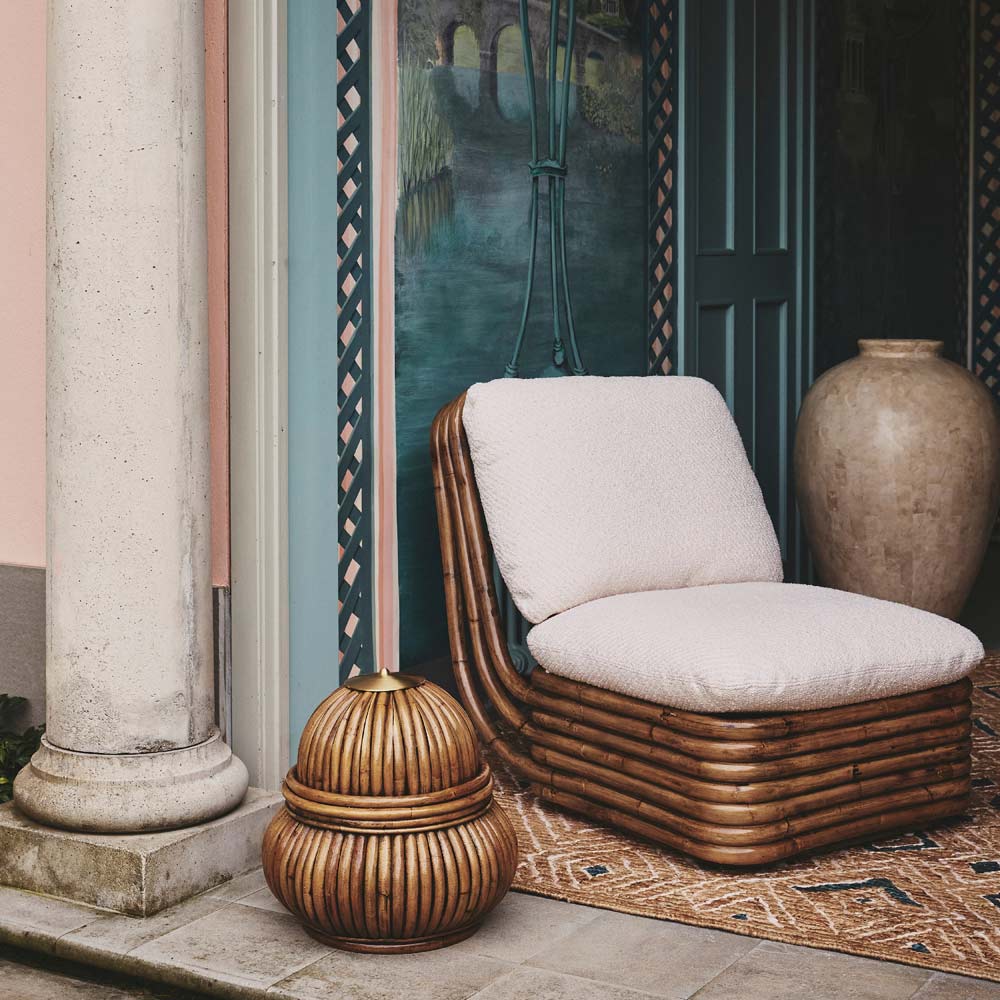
point(383, 681)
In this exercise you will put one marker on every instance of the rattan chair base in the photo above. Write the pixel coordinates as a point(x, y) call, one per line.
point(772, 820)
point(879, 826)
point(741, 790)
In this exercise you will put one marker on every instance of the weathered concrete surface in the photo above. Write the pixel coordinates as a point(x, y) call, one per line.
point(130, 613)
point(138, 874)
point(92, 792)
point(22, 639)
point(129, 666)
point(235, 942)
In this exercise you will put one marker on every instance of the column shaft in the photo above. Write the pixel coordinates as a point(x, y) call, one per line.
point(129, 666)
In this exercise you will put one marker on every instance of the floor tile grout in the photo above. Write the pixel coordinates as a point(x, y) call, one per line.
point(294, 972)
point(764, 942)
point(548, 944)
point(639, 994)
point(738, 958)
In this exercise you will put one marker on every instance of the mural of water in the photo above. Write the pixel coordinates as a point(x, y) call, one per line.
point(461, 264)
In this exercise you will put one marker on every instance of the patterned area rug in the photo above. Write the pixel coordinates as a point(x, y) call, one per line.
point(929, 897)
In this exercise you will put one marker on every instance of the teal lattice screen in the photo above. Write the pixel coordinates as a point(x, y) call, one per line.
point(660, 116)
point(986, 196)
point(354, 337)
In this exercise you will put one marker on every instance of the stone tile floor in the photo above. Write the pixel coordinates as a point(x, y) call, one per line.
point(236, 941)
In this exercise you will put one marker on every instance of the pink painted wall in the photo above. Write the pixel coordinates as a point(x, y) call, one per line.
point(384, 53)
point(22, 282)
point(217, 156)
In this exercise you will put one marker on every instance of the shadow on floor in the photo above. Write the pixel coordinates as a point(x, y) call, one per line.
point(33, 976)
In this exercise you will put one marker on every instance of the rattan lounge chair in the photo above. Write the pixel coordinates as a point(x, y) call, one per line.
point(795, 770)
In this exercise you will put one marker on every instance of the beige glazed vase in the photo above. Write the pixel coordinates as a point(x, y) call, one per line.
point(897, 471)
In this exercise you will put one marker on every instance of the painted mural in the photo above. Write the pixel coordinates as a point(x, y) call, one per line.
point(462, 232)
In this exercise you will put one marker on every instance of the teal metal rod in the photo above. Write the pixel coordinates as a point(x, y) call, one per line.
point(510, 621)
point(574, 351)
point(553, 58)
point(511, 370)
point(558, 350)
point(529, 77)
point(567, 77)
point(553, 166)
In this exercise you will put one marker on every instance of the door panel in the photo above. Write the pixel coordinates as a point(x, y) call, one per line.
point(714, 130)
point(771, 127)
point(745, 312)
point(714, 344)
point(769, 451)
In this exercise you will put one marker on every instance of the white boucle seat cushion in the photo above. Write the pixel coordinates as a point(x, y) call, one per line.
point(754, 647)
point(599, 486)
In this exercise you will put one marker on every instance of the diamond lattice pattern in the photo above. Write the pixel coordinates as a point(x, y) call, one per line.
point(661, 121)
point(354, 338)
point(986, 197)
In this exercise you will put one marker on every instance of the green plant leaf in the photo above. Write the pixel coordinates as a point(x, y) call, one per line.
point(15, 748)
point(10, 706)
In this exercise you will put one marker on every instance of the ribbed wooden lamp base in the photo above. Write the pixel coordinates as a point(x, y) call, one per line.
point(402, 891)
point(364, 860)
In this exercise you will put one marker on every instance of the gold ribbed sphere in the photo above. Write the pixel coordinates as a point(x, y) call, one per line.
point(404, 741)
point(389, 839)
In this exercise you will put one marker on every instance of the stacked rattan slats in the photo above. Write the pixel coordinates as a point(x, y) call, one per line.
point(389, 840)
point(731, 789)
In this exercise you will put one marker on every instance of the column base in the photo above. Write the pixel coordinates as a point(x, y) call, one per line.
point(137, 874)
point(133, 792)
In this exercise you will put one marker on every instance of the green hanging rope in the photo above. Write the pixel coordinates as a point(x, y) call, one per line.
point(553, 167)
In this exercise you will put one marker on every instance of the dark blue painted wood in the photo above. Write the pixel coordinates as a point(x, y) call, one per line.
point(745, 313)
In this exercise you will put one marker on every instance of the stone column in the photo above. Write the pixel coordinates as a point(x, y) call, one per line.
point(131, 743)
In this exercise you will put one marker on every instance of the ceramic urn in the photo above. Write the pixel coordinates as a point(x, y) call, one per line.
point(389, 840)
point(897, 472)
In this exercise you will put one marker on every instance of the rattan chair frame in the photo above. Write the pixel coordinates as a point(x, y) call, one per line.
point(742, 790)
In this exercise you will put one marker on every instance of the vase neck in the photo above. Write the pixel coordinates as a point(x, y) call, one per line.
point(910, 350)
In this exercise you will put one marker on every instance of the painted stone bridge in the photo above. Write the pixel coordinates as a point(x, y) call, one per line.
point(590, 42)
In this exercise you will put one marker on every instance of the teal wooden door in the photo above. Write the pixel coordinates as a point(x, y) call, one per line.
point(745, 264)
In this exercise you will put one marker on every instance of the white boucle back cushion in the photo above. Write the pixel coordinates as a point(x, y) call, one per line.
point(599, 486)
